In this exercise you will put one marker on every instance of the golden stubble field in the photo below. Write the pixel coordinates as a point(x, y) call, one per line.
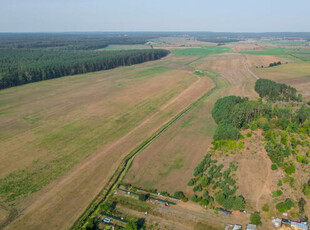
point(169, 162)
point(62, 139)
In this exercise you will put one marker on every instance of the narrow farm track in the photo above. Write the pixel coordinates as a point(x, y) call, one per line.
point(121, 170)
point(246, 66)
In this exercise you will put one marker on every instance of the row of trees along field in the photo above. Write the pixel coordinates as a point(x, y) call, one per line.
point(21, 66)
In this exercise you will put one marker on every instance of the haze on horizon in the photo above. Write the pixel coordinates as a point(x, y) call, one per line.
point(159, 15)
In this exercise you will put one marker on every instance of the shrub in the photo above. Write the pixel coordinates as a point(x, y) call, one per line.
point(238, 203)
point(277, 193)
point(144, 197)
point(275, 153)
point(274, 167)
point(249, 134)
point(302, 159)
point(292, 127)
point(226, 131)
point(284, 206)
point(131, 225)
point(219, 198)
point(253, 126)
point(265, 208)
point(191, 182)
point(204, 202)
point(266, 127)
point(255, 219)
point(197, 188)
point(280, 183)
point(195, 198)
point(287, 152)
point(205, 181)
point(164, 193)
point(180, 195)
point(289, 168)
point(290, 180)
point(301, 205)
point(106, 208)
point(306, 190)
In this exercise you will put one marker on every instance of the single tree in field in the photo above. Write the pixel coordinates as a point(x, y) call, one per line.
point(255, 219)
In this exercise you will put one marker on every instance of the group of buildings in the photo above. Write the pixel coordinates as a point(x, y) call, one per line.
point(239, 227)
point(285, 224)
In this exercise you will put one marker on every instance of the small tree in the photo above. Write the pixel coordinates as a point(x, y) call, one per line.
point(144, 197)
point(255, 219)
point(301, 205)
point(106, 208)
point(238, 203)
point(93, 224)
point(180, 195)
point(131, 225)
point(265, 208)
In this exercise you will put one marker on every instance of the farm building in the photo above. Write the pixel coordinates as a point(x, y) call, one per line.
point(227, 213)
point(237, 227)
point(293, 225)
point(251, 227)
point(299, 226)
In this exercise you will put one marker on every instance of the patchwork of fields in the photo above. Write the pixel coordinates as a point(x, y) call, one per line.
point(60, 126)
point(62, 139)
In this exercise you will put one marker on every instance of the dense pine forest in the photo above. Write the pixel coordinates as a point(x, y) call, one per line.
point(26, 58)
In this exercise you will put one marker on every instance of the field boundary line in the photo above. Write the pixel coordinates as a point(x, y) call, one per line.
point(248, 69)
point(125, 164)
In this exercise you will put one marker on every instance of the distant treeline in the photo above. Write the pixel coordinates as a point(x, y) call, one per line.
point(242, 36)
point(102, 39)
point(276, 91)
point(218, 40)
point(84, 41)
point(21, 66)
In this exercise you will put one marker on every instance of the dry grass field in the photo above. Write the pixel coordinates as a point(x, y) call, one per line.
point(169, 162)
point(61, 139)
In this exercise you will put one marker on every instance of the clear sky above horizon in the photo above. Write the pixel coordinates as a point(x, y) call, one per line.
point(151, 15)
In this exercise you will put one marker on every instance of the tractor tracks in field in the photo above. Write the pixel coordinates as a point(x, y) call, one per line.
point(246, 66)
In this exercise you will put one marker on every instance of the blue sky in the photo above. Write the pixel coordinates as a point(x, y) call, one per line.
point(150, 15)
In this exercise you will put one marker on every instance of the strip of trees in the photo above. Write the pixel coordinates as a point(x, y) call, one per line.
point(276, 91)
point(20, 66)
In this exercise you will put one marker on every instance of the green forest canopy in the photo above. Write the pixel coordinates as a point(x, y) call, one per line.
point(21, 66)
point(275, 91)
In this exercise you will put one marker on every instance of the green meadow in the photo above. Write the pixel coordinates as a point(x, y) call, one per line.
point(203, 51)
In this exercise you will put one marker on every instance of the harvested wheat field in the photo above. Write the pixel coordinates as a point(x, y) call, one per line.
point(62, 139)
